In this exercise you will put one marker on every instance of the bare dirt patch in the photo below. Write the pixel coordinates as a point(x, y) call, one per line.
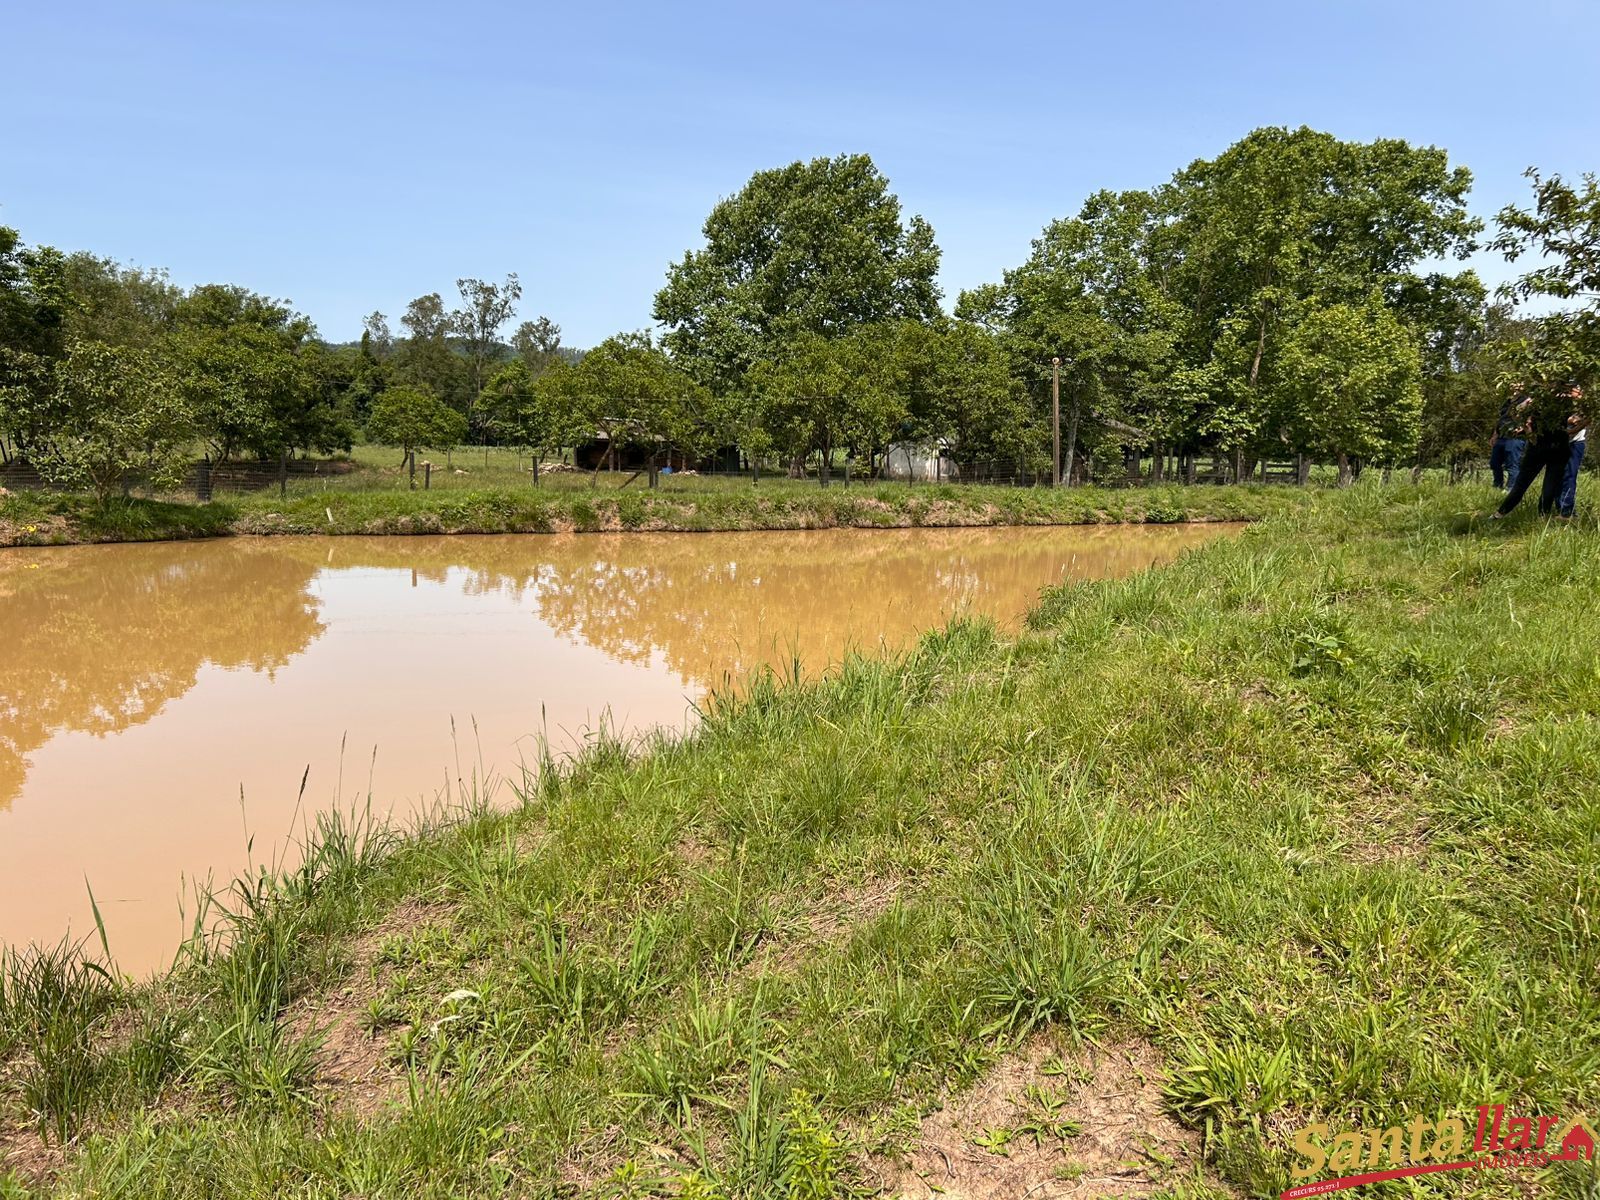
point(1043, 1125)
point(354, 1073)
point(24, 1153)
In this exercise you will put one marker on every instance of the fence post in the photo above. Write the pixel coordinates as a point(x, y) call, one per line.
point(427, 474)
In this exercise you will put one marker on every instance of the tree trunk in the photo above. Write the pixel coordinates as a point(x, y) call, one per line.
point(822, 473)
point(1238, 464)
point(283, 474)
point(535, 468)
point(1072, 437)
point(653, 469)
point(1345, 473)
point(411, 468)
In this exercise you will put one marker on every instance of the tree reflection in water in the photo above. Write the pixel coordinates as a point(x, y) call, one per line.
point(99, 638)
point(149, 690)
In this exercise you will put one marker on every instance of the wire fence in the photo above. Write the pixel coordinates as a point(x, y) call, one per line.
point(387, 468)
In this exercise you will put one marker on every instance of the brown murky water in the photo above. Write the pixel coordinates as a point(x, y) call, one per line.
point(159, 701)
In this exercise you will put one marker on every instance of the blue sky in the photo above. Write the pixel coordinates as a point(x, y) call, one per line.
point(351, 156)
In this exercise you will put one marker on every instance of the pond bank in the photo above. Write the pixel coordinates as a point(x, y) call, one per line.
point(40, 519)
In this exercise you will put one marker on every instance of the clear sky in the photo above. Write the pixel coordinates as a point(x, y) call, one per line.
point(350, 156)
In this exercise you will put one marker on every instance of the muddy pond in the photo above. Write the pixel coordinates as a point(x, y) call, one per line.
point(160, 704)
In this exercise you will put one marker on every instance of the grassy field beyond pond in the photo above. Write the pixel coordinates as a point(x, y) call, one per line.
point(1305, 825)
point(567, 505)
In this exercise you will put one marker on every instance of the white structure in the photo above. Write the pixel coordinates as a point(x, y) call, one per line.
point(924, 462)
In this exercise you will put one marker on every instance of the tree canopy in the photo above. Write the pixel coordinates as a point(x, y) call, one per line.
point(814, 248)
point(1295, 295)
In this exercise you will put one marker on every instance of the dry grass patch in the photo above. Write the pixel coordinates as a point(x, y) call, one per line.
point(1044, 1123)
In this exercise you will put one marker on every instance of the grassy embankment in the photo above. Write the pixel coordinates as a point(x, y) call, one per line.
point(564, 504)
point(1303, 825)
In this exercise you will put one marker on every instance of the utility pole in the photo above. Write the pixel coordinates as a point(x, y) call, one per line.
point(1055, 422)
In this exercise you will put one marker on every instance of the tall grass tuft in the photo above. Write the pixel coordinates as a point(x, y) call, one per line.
point(53, 1001)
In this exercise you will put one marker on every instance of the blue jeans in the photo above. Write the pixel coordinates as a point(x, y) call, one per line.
point(1505, 459)
point(1568, 502)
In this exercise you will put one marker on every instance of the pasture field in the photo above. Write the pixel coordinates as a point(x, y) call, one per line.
point(373, 498)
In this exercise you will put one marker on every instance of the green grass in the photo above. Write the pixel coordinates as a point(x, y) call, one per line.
point(1313, 810)
point(568, 503)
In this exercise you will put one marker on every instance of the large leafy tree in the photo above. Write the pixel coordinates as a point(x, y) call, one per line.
point(537, 343)
point(254, 377)
point(1089, 295)
point(113, 411)
point(1289, 218)
point(969, 398)
point(813, 249)
point(118, 305)
point(427, 359)
point(1350, 384)
point(823, 394)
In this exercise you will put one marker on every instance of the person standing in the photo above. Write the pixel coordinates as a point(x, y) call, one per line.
point(1549, 451)
point(1578, 442)
point(1510, 439)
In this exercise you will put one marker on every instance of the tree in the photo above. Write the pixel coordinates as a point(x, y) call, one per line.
point(118, 305)
point(485, 308)
point(961, 391)
point(1089, 295)
point(1169, 308)
point(375, 335)
point(1285, 218)
point(522, 413)
point(1563, 229)
point(1351, 383)
point(814, 248)
point(426, 359)
point(113, 411)
point(537, 343)
point(254, 377)
point(823, 394)
point(414, 418)
point(628, 387)
point(34, 303)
